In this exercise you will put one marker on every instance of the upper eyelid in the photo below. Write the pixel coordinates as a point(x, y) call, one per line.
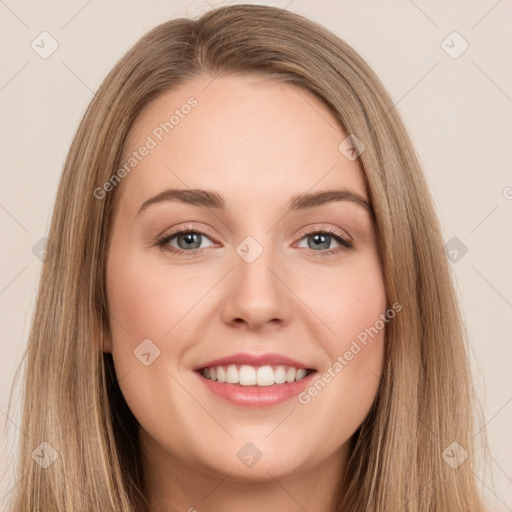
point(188, 229)
point(325, 229)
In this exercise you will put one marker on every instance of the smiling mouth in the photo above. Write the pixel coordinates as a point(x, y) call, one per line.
point(259, 376)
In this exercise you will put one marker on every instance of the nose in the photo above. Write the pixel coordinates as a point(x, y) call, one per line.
point(257, 296)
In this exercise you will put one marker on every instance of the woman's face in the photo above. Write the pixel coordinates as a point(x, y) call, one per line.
point(271, 274)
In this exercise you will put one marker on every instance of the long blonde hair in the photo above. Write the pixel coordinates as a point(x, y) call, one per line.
point(72, 400)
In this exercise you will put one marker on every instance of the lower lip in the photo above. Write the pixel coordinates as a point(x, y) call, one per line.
point(256, 396)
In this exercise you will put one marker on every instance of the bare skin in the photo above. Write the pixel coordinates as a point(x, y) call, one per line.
point(258, 144)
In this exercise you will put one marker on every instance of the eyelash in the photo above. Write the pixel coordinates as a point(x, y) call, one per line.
point(344, 243)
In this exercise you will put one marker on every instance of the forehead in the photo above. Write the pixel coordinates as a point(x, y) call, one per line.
point(248, 137)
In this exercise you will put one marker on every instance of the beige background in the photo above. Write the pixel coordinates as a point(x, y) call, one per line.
point(458, 111)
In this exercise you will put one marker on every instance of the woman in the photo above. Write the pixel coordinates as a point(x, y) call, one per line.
point(307, 353)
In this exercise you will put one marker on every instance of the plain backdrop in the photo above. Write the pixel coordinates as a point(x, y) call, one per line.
point(456, 103)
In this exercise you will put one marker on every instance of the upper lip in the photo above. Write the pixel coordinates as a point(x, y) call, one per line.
point(253, 360)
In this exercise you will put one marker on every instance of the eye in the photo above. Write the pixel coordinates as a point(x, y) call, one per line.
point(186, 240)
point(320, 240)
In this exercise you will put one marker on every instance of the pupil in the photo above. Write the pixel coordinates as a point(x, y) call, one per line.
point(322, 240)
point(190, 238)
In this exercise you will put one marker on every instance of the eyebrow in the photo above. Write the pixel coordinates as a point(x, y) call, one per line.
point(211, 199)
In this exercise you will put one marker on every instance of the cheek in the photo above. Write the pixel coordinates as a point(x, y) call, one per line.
point(145, 302)
point(349, 302)
point(148, 300)
point(354, 310)
point(135, 302)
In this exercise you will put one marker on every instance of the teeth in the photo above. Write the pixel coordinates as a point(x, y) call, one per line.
point(265, 376)
point(301, 373)
point(232, 375)
point(246, 375)
point(280, 375)
point(221, 374)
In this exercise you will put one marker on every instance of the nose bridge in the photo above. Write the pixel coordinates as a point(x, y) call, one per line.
point(256, 295)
